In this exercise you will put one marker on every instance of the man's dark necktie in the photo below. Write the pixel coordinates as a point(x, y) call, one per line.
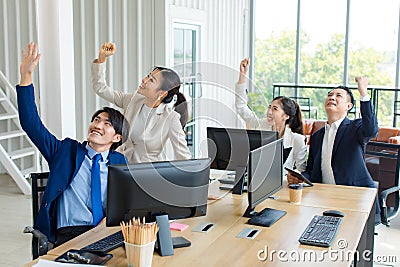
point(97, 208)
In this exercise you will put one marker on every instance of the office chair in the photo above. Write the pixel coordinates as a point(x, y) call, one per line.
point(40, 243)
point(383, 163)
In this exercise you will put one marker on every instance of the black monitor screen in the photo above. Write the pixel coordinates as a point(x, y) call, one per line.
point(177, 188)
point(265, 173)
point(229, 148)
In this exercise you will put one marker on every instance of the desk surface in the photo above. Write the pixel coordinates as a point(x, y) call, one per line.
point(220, 246)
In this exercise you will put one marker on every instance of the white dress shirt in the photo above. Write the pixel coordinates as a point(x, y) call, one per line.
point(298, 154)
point(74, 208)
point(326, 153)
point(245, 112)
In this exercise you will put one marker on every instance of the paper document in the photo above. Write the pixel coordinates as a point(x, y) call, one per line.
point(47, 263)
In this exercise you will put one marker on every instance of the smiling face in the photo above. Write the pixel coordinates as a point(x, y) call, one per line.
point(278, 114)
point(151, 85)
point(101, 133)
point(338, 103)
point(268, 114)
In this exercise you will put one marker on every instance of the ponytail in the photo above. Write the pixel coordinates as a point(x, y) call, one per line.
point(296, 121)
point(292, 109)
point(180, 106)
point(171, 84)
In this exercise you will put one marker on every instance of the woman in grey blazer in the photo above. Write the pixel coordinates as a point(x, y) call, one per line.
point(152, 121)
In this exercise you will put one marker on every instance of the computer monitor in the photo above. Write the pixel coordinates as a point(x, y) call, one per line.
point(177, 188)
point(158, 191)
point(229, 149)
point(265, 174)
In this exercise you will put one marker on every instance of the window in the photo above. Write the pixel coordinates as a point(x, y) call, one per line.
point(322, 41)
point(335, 44)
point(275, 47)
point(185, 56)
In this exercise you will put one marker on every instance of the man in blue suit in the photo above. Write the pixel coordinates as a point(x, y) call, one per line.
point(336, 154)
point(69, 205)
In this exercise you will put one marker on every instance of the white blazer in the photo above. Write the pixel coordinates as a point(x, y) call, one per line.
point(163, 125)
point(248, 115)
point(297, 156)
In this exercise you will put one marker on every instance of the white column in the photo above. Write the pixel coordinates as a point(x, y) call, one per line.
point(161, 47)
point(56, 67)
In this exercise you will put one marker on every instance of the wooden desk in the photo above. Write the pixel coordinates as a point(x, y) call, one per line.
point(220, 246)
point(333, 197)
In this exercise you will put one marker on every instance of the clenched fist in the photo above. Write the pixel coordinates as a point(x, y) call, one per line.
point(362, 84)
point(106, 50)
point(244, 67)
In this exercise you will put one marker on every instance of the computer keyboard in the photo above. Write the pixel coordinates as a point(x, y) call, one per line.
point(106, 244)
point(321, 231)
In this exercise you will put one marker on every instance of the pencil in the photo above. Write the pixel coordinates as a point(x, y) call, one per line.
point(139, 232)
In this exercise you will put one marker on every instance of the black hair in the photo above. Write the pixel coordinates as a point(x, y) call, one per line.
point(180, 106)
point(348, 91)
point(292, 109)
point(118, 121)
point(171, 83)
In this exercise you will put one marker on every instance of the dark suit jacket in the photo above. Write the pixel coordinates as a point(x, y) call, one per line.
point(65, 157)
point(348, 161)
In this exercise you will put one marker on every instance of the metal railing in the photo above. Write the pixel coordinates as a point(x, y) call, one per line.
point(376, 92)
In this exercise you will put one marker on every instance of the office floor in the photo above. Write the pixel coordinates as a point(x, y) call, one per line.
point(16, 214)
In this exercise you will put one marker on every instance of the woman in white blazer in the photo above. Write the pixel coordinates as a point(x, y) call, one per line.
point(283, 115)
point(151, 120)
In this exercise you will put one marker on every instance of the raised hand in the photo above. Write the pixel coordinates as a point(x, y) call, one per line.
point(244, 67)
point(30, 59)
point(362, 82)
point(106, 50)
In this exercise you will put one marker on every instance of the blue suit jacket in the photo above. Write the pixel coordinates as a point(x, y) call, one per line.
point(348, 161)
point(65, 157)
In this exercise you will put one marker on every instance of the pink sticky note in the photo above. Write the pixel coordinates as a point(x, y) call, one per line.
point(178, 226)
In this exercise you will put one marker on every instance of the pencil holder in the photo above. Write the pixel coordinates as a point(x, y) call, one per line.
point(139, 255)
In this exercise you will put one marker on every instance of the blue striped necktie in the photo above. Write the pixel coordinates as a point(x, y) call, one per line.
point(97, 208)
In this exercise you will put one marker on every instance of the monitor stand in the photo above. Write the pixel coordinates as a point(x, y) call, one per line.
point(239, 180)
point(266, 217)
point(165, 244)
point(249, 213)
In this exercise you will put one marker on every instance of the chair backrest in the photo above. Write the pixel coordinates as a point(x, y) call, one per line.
point(383, 163)
point(310, 126)
point(39, 182)
point(385, 133)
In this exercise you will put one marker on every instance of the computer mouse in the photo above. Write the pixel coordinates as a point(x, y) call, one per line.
point(333, 213)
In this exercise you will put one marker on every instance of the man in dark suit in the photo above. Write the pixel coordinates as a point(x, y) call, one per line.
point(336, 154)
point(75, 195)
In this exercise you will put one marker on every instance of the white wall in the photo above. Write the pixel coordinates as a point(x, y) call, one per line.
point(51, 27)
point(56, 66)
point(141, 29)
point(137, 29)
point(18, 27)
point(224, 42)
